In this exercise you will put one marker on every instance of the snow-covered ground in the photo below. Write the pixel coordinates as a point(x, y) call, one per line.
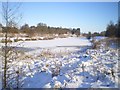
point(75, 70)
point(65, 63)
point(97, 38)
point(0, 73)
point(71, 41)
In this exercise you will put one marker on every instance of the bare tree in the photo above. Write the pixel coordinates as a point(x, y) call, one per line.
point(9, 14)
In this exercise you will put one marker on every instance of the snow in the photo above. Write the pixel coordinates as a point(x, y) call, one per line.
point(66, 63)
point(97, 38)
point(71, 73)
point(0, 73)
point(57, 42)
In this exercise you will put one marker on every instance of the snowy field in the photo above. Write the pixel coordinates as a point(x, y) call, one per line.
point(70, 41)
point(65, 63)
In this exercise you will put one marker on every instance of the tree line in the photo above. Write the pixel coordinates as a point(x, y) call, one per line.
point(40, 29)
point(113, 30)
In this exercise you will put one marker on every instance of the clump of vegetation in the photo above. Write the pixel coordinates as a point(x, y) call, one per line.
point(8, 41)
point(113, 30)
point(96, 45)
point(16, 40)
point(27, 39)
point(40, 39)
point(56, 69)
point(47, 54)
point(49, 38)
point(89, 35)
point(33, 39)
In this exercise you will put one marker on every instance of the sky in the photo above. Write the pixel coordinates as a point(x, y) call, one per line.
point(88, 16)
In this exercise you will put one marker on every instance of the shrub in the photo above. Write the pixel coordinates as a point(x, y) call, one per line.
point(16, 40)
point(27, 39)
point(88, 37)
point(47, 38)
point(50, 38)
point(33, 39)
point(40, 39)
point(3, 41)
point(55, 71)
